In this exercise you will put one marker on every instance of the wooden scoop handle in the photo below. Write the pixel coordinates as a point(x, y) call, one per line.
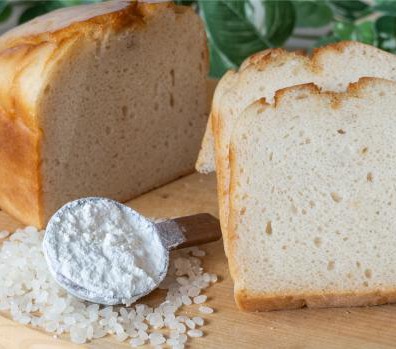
point(189, 231)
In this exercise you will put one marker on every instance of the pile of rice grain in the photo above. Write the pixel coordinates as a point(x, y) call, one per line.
point(32, 297)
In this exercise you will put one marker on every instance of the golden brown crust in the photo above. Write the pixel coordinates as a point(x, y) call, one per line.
point(355, 89)
point(19, 159)
point(132, 13)
point(231, 227)
point(29, 54)
point(259, 302)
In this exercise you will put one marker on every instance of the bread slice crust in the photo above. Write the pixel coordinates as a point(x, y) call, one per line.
point(250, 301)
point(268, 62)
point(253, 300)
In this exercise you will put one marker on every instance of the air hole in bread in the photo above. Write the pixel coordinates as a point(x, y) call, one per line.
point(156, 106)
point(358, 264)
point(364, 150)
point(365, 284)
point(271, 156)
point(368, 273)
point(336, 197)
point(171, 100)
point(124, 110)
point(294, 209)
point(268, 228)
point(318, 242)
point(172, 74)
point(369, 177)
point(330, 265)
point(341, 131)
point(108, 130)
point(242, 211)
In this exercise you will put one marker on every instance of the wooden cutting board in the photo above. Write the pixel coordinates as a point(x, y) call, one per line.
point(228, 327)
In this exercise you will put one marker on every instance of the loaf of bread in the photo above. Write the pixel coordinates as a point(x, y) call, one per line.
point(107, 100)
point(313, 199)
point(332, 68)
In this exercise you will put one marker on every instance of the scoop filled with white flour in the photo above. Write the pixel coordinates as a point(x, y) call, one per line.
point(105, 252)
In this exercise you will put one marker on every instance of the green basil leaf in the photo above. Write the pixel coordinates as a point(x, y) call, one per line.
point(280, 19)
point(234, 34)
point(312, 13)
point(343, 30)
point(386, 6)
point(230, 30)
point(386, 26)
point(185, 2)
point(326, 40)
point(351, 9)
point(32, 12)
point(67, 3)
point(386, 31)
point(219, 63)
point(365, 32)
point(5, 10)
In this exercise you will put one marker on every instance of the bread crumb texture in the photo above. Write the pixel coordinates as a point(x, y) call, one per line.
point(331, 225)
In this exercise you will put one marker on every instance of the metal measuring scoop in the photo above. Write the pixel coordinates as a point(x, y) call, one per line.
point(173, 234)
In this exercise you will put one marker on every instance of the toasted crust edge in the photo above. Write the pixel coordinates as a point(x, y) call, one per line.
point(250, 302)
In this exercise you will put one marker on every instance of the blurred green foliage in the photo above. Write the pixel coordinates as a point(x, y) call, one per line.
point(238, 28)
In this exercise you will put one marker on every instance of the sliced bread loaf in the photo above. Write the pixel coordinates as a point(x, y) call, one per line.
point(331, 68)
point(100, 100)
point(313, 199)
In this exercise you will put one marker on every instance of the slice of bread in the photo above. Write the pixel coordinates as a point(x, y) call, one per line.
point(107, 99)
point(332, 68)
point(313, 199)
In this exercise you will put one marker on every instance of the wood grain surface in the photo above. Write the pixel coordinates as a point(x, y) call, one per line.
point(359, 328)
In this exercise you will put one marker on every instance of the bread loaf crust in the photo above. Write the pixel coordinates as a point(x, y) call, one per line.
point(29, 55)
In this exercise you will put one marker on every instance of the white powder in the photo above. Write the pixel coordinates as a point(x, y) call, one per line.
point(107, 249)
